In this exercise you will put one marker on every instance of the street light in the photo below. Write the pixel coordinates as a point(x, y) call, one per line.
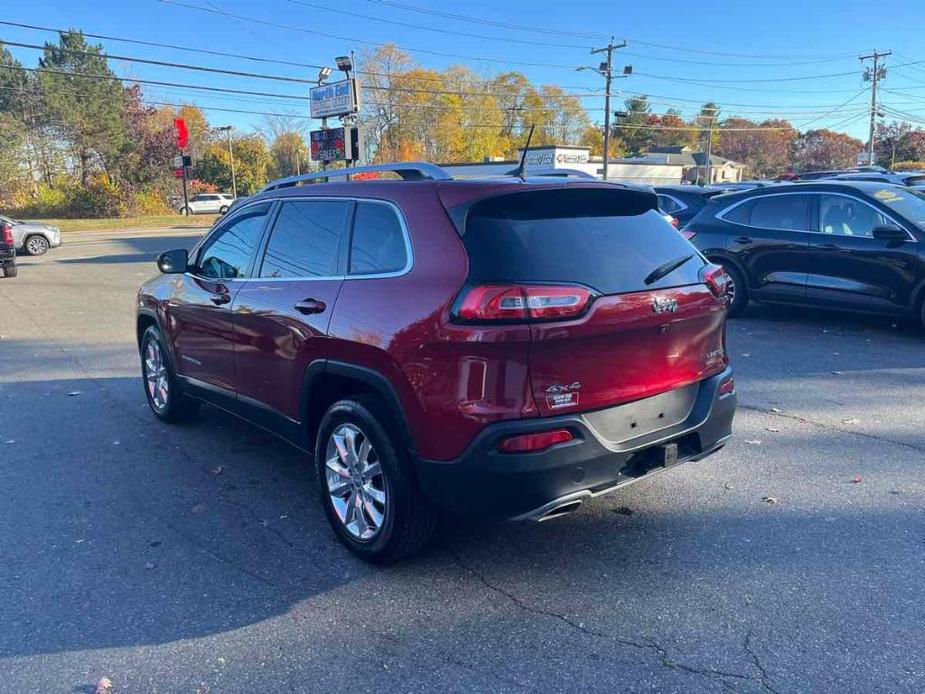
point(234, 185)
point(344, 63)
point(323, 74)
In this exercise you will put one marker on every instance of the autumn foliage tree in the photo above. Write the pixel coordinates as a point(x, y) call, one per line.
point(764, 147)
point(823, 149)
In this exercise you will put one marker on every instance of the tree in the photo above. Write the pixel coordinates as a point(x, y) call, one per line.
point(288, 154)
point(635, 128)
point(824, 149)
point(252, 162)
point(200, 134)
point(146, 159)
point(888, 139)
point(380, 114)
point(89, 112)
point(766, 152)
point(913, 148)
point(676, 132)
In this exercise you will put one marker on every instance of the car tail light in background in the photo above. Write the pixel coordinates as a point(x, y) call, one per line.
point(531, 443)
point(6, 233)
point(671, 220)
point(688, 234)
point(715, 278)
point(518, 302)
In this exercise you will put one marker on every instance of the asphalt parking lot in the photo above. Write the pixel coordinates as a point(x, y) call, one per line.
point(196, 559)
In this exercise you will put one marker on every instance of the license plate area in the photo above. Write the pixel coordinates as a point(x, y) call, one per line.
point(651, 459)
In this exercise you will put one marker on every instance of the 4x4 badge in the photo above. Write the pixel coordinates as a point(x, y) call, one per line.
point(662, 304)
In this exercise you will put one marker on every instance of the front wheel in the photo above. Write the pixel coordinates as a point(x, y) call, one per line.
point(368, 489)
point(162, 388)
point(36, 245)
point(735, 290)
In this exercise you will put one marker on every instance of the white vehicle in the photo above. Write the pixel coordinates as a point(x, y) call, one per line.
point(207, 203)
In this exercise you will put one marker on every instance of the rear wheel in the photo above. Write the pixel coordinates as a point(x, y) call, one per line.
point(223, 210)
point(185, 211)
point(735, 290)
point(162, 388)
point(9, 270)
point(368, 489)
point(36, 245)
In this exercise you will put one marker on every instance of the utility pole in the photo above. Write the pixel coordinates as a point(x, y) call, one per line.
point(606, 69)
point(873, 75)
point(709, 148)
point(234, 185)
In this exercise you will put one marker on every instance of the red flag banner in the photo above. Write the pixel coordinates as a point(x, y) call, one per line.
point(182, 133)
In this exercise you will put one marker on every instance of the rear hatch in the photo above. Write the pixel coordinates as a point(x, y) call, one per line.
point(620, 306)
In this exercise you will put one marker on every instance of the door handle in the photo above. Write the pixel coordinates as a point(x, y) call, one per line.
point(309, 306)
point(220, 298)
point(743, 240)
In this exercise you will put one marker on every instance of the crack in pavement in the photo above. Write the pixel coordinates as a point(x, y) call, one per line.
point(765, 679)
point(647, 644)
point(832, 427)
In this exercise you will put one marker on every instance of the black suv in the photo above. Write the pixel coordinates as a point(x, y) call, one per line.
point(844, 245)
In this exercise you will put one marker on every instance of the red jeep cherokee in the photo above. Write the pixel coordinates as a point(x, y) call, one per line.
point(500, 348)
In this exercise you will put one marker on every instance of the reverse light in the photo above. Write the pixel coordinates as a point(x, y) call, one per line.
point(531, 443)
point(518, 303)
point(714, 276)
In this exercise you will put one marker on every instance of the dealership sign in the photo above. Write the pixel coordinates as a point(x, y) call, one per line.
point(335, 99)
point(335, 144)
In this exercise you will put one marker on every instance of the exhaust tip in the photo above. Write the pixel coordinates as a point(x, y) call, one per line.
point(560, 511)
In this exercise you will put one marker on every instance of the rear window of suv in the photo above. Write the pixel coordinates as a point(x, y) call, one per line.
point(608, 240)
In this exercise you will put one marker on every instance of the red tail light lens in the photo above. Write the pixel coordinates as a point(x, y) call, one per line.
point(6, 231)
point(531, 443)
point(715, 278)
point(517, 302)
point(728, 386)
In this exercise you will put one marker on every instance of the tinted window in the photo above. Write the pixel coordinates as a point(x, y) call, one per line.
point(197, 198)
point(914, 180)
point(781, 212)
point(228, 253)
point(668, 205)
point(904, 201)
point(740, 214)
point(378, 243)
point(844, 216)
point(607, 240)
point(306, 239)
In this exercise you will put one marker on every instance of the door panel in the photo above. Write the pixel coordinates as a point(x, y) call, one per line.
point(850, 268)
point(282, 315)
point(198, 311)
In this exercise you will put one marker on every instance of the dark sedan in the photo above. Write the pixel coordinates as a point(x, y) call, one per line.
point(857, 246)
point(684, 202)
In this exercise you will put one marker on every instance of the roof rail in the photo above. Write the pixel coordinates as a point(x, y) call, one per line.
point(565, 173)
point(408, 170)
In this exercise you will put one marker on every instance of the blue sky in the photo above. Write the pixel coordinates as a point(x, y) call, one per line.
point(671, 44)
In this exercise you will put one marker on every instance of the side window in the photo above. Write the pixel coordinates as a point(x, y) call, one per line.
point(307, 239)
point(378, 242)
point(789, 212)
point(740, 214)
point(197, 198)
point(228, 254)
point(668, 205)
point(844, 216)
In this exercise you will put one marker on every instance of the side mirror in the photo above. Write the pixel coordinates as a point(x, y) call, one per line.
point(174, 262)
point(889, 232)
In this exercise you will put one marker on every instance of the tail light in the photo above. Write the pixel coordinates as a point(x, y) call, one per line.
point(671, 220)
point(715, 278)
point(531, 443)
point(688, 234)
point(507, 303)
point(6, 232)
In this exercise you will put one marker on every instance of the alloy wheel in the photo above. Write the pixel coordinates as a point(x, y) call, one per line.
point(36, 245)
point(355, 481)
point(156, 375)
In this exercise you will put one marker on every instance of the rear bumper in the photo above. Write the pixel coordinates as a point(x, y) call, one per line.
point(483, 482)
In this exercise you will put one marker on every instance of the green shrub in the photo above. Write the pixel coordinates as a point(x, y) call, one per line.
point(147, 203)
point(909, 166)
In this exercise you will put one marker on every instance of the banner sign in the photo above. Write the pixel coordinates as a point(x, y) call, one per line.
point(335, 99)
point(335, 144)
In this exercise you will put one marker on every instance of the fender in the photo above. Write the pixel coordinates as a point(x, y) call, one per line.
point(916, 295)
point(373, 379)
point(726, 259)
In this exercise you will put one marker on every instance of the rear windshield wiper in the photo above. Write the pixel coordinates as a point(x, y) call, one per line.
point(666, 269)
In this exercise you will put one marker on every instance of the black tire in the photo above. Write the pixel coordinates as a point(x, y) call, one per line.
point(185, 211)
point(409, 520)
point(177, 407)
point(9, 271)
point(36, 245)
point(223, 210)
point(739, 299)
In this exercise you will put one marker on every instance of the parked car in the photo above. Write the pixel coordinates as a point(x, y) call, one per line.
point(33, 238)
point(496, 348)
point(683, 202)
point(847, 245)
point(208, 203)
point(815, 175)
point(7, 251)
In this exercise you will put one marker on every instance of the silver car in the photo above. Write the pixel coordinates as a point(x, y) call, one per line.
point(33, 238)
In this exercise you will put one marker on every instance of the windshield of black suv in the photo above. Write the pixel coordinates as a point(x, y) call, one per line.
point(609, 240)
point(907, 202)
